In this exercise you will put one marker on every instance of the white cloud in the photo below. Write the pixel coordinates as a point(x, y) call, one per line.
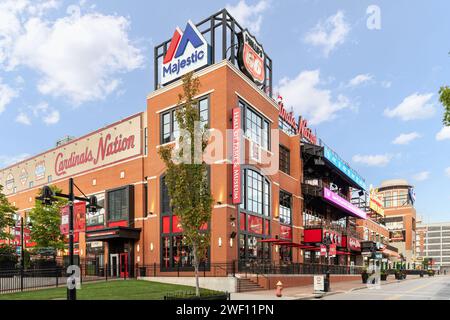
point(360, 79)
point(42, 112)
point(415, 106)
point(386, 84)
point(6, 95)
point(23, 118)
point(249, 16)
point(329, 34)
point(447, 171)
point(51, 118)
point(9, 160)
point(78, 56)
point(406, 138)
point(308, 99)
point(379, 160)
point(443, 134)
point(421, 176)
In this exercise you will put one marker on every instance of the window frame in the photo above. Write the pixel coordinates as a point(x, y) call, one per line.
point(171, 112)
point(264, 122)
point(286, 158)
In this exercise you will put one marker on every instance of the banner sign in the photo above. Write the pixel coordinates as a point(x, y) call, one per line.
point(332, 157)
point(323, 250)
point(79, 220)
point(236, 157)
point(333, 250)
point(251, 57)
point(340, 202)
point(375, 204)
point(117, 142)
point(188, 51)
point(354, 244)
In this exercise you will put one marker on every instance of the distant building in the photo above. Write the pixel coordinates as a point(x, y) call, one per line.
point(436, 243)
point(398, 199)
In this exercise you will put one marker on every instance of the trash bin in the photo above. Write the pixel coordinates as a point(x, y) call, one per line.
point(142, 271)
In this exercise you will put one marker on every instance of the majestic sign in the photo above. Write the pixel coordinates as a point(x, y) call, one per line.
point(236, 157)
point(343, 167)
point(340, 202)
point(117, 142)
point(251, 57)
point(187, 52)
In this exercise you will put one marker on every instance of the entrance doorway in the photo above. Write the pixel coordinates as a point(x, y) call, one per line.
point(114, 263)
point(124, 265)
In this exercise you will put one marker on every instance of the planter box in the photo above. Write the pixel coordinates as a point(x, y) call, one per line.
point(383, 277)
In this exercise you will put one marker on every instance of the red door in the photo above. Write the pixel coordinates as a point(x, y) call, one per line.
point(123, 265)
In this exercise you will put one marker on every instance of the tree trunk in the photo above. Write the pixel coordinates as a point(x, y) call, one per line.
point(196, 267)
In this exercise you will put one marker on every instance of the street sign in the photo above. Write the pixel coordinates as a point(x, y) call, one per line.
point(319, 283)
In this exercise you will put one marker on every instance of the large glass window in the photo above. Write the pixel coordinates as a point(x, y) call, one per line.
point(257, 195)
point(170, 130)
point(285, 208)
point(174, 251)
point(118, 204)
point(257, 128)
point(285, 161)
point(254, 220)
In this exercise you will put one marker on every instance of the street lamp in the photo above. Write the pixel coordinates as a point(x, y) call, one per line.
point(327, 242)
point(48, 197)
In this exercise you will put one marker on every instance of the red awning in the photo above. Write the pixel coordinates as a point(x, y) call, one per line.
point(343, 253)
point(270, 240)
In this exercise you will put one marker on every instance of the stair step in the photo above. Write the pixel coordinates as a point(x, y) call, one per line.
point(245, 285)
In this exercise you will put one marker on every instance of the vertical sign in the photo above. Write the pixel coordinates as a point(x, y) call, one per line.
point(236, 157)
point(323, 250)
point(332, 252)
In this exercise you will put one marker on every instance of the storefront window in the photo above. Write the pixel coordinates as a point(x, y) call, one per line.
point(257, 194)
point(118, 204)
point(175, 253)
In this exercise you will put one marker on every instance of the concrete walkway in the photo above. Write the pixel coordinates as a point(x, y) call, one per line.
point(307, 292)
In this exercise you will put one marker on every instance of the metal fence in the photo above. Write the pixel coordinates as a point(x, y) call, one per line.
point(244, 267)
point(18, 280)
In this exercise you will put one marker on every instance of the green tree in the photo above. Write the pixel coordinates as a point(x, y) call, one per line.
point(6, 216)
point(46, 221)
point(187, 180)
point(444, 98)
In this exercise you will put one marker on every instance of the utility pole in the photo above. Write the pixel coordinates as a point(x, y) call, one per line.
point(71, 290)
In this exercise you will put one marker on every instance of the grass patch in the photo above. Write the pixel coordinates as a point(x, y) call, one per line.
point(108, 290)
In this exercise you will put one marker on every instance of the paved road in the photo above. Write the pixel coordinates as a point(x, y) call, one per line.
point(435, 288)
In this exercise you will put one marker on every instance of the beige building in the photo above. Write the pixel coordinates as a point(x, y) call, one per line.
point(398, 199)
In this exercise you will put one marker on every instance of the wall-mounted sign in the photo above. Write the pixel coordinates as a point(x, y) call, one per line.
point(251, 57)
point(341, 203)
point(9, 184)
point(305, 132)
point(118, 142)
point(343, 167)
point(23, 176)
point(354, 244)
point(375, 204)
point(79, 220)
point(188, 51)
point(39, 170)
point(300, 127)
point(236, 156)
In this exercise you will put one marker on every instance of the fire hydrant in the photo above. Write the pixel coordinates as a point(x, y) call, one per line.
point(279, 289)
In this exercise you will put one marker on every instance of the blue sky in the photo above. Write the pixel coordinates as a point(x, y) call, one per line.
point(70, 67)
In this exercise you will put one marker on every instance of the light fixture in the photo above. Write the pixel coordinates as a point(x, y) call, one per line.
point(220, 242)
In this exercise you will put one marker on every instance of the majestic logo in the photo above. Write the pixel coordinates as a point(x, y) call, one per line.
point(187, 52)
point(251, 57)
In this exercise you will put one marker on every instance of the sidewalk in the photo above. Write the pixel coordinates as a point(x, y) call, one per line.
point(307, 292)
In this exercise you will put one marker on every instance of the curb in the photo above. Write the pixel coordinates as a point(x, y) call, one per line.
point(313, 297)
